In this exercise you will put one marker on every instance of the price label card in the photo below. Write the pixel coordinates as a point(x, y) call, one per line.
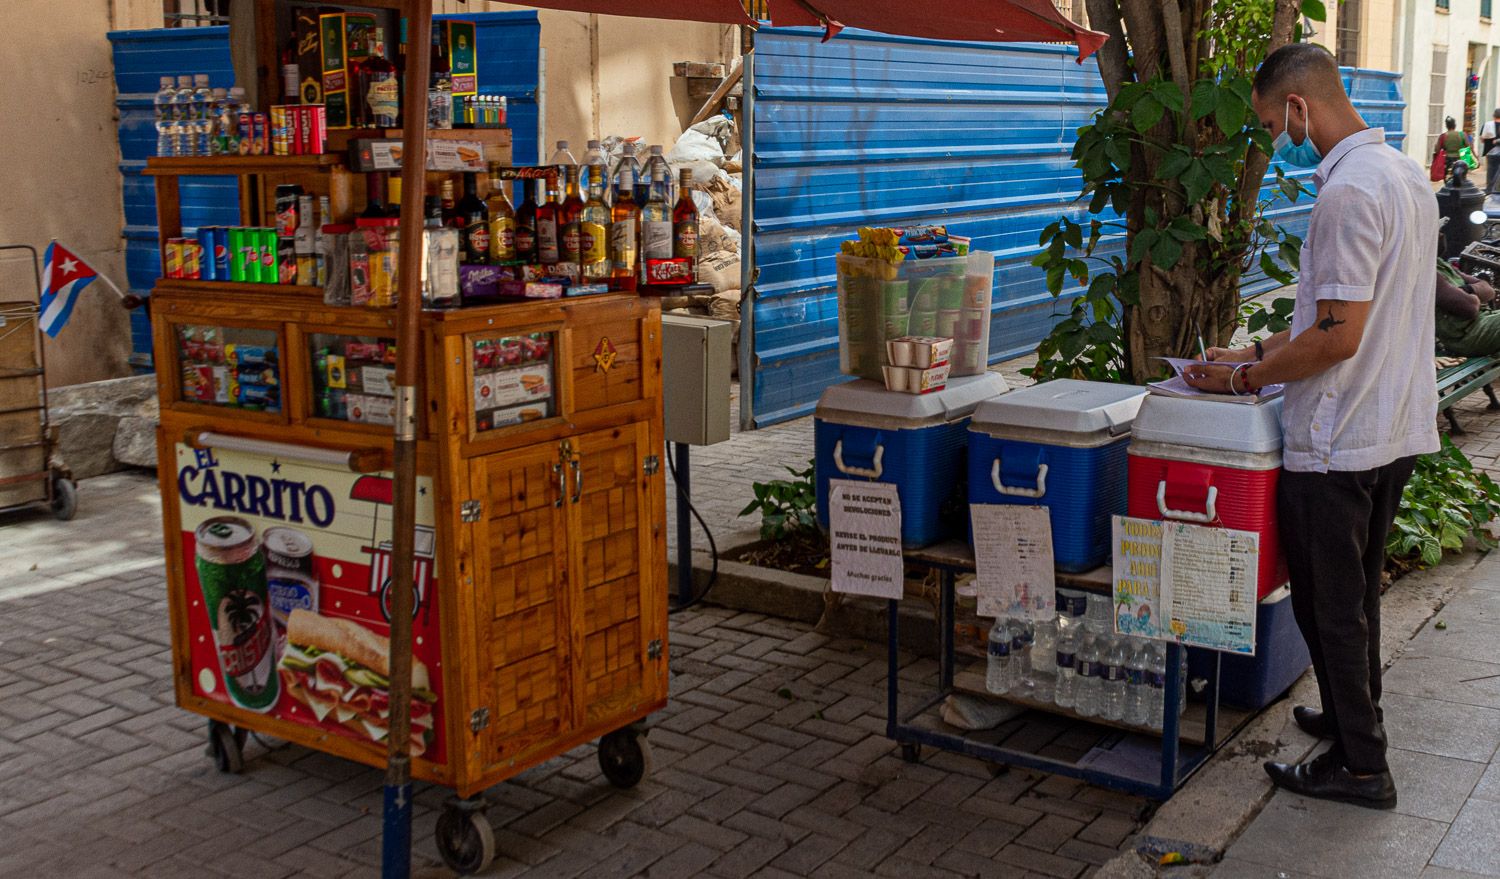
point(865, 521)
point(1013, 561)
point(1208, 586)
point(1137, 576)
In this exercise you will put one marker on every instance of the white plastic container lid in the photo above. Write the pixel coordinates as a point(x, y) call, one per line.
point(1211, 424)
point(867, 403)
point(1066, 411)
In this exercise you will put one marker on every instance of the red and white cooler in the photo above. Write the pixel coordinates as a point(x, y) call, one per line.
point(1212, 463)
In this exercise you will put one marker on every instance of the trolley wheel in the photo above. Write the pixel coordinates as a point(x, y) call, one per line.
point(911, 752)
point(64, 498)
point(227, 746)
point(465, 840)
point(625, 757)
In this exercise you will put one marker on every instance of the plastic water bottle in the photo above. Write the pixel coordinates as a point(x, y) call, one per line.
point(1156, 679)
point(1137, 690)
point(182, 117)
point(1113, 679)
point(164, 117)
point(627, 160)
point(657, 160)
point(1044, 654)
point(595, 162)
point(998, 671)
point(203, 101)
point(1065, 658)
point(1086, 699)
point(1021, 638)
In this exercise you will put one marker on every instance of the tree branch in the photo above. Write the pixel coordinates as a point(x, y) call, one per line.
point(1114, 55)
point(1142, 20)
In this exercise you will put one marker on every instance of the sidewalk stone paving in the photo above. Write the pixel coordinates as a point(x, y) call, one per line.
point(771, 759)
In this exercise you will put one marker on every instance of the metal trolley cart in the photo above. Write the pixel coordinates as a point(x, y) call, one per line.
point(29, 477)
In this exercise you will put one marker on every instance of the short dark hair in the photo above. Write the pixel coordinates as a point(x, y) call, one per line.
point(1497, 112)
point(1449, 123)
point(1297, 66)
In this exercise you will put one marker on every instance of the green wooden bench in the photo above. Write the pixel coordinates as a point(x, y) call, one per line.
point(1456, 382)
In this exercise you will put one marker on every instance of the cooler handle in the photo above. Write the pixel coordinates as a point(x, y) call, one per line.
point(1208, 514)
point(1041, 482)
point(872, 472)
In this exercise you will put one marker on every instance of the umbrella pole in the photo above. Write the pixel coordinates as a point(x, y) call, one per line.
point(396, 838)
point(747, 229)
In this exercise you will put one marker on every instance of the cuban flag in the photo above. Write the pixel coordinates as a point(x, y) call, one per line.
point(63, 276)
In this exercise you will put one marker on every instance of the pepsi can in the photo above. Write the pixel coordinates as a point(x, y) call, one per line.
point(211, 240)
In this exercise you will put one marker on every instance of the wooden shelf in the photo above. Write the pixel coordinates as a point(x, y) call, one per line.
point(208, 288)
point(173, 166)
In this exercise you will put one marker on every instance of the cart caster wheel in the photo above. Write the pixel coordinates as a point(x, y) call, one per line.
point(911, 752)
point(625, 757)
point(227, 746)
point(465, 841)
point(64, 498)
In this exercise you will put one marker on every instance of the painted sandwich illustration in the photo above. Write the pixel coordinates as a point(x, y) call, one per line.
point(340, 670)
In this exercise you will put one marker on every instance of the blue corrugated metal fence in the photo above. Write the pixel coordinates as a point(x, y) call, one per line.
point(870, 129)
point(509, 49)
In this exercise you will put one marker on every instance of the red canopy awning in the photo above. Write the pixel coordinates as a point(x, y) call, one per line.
point(990, 21)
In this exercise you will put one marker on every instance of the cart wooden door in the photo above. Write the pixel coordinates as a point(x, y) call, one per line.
point(617, 592)
point(521, 603)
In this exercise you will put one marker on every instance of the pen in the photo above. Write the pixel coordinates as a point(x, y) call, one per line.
point(1202, 350)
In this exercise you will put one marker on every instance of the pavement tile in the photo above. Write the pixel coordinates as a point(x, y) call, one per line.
point(1429, 786)
point(1469, 681)
point(1447, 729)
point(1473, 842)
point(1350, 841)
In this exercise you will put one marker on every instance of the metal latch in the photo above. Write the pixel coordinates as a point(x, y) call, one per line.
point(652, 465)
point(479, 719)
point(471, 511)
point(653, 650)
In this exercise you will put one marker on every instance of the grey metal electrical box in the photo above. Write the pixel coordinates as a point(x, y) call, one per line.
point(695, 366)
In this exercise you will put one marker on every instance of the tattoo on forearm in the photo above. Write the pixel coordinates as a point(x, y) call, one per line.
point(1329, 322)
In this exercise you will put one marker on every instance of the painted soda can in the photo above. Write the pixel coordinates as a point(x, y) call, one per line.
point(172, 258)
point(192, 259)
point(232, 575)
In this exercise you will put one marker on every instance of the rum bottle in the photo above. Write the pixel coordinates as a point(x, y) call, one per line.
point(593, 231)
point(568, 214)
point(381, 86)
point(548, 250)
point(502, 220)
point(526, 224)
point(625, 229)
point(474, 224)
point(685, 226)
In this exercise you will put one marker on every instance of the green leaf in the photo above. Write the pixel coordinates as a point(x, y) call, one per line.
point(1169, 94)
point(1315, 10)
point(1166, 252)
point(1174, 164)
point(1118, 150)
point(1146, 113)
point(1197, 181)
point(1205, 98)
point(1230, 116)
point(1073, 234)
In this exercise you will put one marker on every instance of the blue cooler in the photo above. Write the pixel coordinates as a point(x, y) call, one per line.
point(1280, 658)
point(916, 441)
point(1061, 445)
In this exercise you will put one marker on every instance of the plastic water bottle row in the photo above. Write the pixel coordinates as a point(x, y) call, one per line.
point(194, 120)
point(1076, 662)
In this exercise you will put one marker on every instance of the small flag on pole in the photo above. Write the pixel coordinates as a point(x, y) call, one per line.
point(63, 276)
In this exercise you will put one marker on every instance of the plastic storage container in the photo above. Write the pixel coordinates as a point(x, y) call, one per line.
point(863, 431)
point(1211, 462)
point(1280, 658)
point(948, 297)
point(1062, 445)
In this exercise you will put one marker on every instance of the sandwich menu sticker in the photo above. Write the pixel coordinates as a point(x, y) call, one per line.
point(287, 568)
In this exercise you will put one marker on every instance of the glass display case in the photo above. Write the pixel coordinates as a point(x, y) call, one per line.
point(514, 379)
point(353, 378)
point(237, 367)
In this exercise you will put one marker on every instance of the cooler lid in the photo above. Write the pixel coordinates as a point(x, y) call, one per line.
point(1211, 424)
point(867, 399)
point(1065, 406)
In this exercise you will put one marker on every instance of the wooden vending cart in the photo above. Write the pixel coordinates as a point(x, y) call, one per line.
point(541, 608)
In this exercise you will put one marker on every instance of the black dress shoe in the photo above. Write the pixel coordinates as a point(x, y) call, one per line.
point(1311, 721)
point(1325, 778)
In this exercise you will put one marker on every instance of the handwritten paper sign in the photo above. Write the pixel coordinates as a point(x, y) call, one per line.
point(865, 521)
point(1137, 576)
point(1013, 561)
point(1208, 586)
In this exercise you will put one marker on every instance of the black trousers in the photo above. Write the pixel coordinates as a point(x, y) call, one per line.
point(1492, 167)
point(1333, 529)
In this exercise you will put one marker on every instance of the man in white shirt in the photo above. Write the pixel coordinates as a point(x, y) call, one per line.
point(1361, 401)
point(1487, 138)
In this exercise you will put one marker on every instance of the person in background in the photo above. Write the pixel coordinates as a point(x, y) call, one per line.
point(1464, 327)
point(1489, 140)
point(1452, 142)
point(1360, 401)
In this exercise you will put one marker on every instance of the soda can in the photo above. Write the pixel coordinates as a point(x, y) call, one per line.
point(261, 123)
point(221, 255)
point(278, 131)
point(208, 237)
point(307, 270)
point(234, 236)
point(247, 133)
point(265, 243)
point(383, 278)
point(232, 575)
point(294, 125)
point(192, 259)
point(288, 205)
point(318, 129)
point(172, 259)
point(286, 260)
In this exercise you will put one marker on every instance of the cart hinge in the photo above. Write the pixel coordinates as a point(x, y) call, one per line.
point(652, 465)
point(479, 719)
point(470, 511)
point(653, 650)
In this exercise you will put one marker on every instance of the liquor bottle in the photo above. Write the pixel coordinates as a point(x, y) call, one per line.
point(593, 230)
point(656, 216)
point(375, 196)
point(502, 220)
point(526, 224)
point(568, 214)
point(685, 227)
point(381, 87)
point(449, 204)
point(440, 283)
point(548, 251)
point(625, 227)
point(474, 233)
point(291, 90)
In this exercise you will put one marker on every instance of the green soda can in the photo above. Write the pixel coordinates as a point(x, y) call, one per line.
point(239, 256)
point(232, 575)
point(265, 243)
